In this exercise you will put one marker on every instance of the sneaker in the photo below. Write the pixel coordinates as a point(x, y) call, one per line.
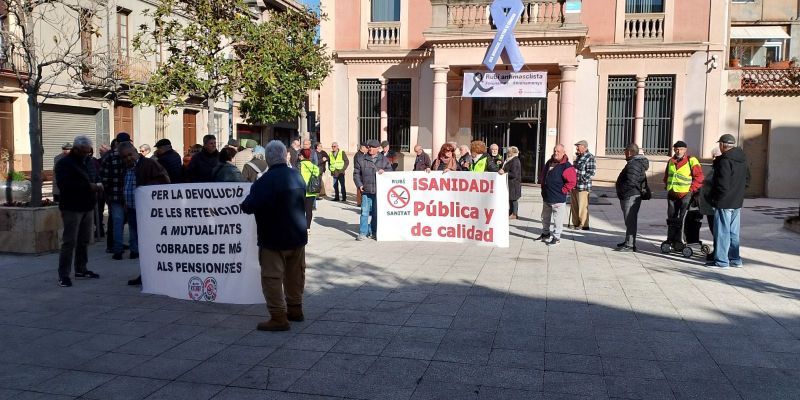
point(117, 256)
point(135, 282)
point(64, 282)
point(627, 249)
point(134, 255)
point(620, 245)
point(335, 199)
point(87, 274)
point(554, 242)
point(543, 237)
point(373, 237)
point(360, 237)
point(714, 265)
point(586, 228)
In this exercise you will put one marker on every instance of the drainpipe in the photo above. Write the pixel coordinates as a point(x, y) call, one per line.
point(740, 100)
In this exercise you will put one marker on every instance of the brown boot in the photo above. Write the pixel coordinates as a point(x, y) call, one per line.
point(277, 322)
point(296, 313)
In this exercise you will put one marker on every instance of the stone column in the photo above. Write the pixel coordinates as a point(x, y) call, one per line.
point(638, 127)
point(566, 112)
point(384, 111)
point(439, 106)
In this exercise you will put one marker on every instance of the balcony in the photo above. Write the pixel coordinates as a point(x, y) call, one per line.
point(464, 14)
point(764, 81)
point(644, 27)
point(383, 34)
point(98, 73)
point(7, 64)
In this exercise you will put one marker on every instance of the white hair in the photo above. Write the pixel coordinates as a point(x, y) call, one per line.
point(275, 153)
point(145, 147)
point(82, 140)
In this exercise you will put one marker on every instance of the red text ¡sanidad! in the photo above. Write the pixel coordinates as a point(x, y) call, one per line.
point(454, 185)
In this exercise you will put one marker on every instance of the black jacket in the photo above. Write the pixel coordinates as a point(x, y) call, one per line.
point(278, 201)
point(366, 169)
point(173, 163)
point(513, 169)
point(731, 177)
point(72, 178)
point(200, 167)
point(631, 178)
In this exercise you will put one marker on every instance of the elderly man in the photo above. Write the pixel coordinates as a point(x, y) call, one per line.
point(112, 173)
point(731, 178)
point(629, 192)
point(139, 171)
point(338, 163)
point(278, 202)
point(423, 161)
point(256, 167)
point(145, 150)
point(495, 156)
point(77, 208)
point(65, 149)
point(170, 160)
point(365, 177)
point(203, 163)
point(362, 151)
point(465, 158)
point(585, 168)
point(294, 150)
point(557, 179)
point(389, 154)
point(245, 155)
point(682, 178)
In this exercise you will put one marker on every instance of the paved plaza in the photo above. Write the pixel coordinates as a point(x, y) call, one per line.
point(430, 321)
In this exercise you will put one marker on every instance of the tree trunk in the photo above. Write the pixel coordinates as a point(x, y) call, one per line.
point(37, 152)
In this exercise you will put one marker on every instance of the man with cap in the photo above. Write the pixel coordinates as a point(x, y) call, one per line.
point(683, 177)
point(112, 174)
point(233, 143)
point(203, 163)
point(731, 177)
point(389, 154)
point(585, 168)
point(65, 149)
point(170, 160)
point(365, 177)
point(245, 155)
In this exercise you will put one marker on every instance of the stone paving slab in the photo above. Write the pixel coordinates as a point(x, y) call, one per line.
point(430, 321)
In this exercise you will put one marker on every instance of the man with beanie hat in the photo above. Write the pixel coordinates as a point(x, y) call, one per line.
point(170, 160)
point(731, 178)
point(683, 177)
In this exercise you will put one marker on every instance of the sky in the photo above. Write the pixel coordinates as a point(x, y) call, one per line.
point(313, 4)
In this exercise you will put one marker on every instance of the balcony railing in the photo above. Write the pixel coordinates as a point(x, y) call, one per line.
point(644, 27)
point(9, 61)
point(757, 80)
point(383, 34)
point(476, 15)
point(97, 72)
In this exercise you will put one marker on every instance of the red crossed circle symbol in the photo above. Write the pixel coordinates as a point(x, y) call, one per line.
point(398, 196)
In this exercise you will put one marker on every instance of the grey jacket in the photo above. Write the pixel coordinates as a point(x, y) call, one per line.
point(365, 171)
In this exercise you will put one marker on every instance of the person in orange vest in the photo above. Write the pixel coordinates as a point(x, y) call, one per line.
point(683, 177)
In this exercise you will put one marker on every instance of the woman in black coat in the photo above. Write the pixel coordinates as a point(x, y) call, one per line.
point(513, 167)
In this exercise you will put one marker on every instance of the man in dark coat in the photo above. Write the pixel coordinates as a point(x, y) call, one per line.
point(513, 168)
point(362, 151)
point(731, 177)
point(629, 192)
point(322, 163)
point(77, 208)
point(557, 180)
point(365, 177)
point(423, 160)
point(139, 171)
point(203, 163)
point(170, 160)
point(112, 174)
point(278, 201)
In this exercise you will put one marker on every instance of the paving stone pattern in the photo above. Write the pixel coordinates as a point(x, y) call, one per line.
point(430, 321)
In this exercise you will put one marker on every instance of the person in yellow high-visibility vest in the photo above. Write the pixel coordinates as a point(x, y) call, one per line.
point(683, 177)
point(480, 159)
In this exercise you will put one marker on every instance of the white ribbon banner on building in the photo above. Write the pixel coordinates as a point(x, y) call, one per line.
point(460, 207)
point(505, 84)
point(195, 243)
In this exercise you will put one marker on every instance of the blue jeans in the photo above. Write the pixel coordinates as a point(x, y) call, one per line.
point(132, 230)
point(368, 209)
point(117, 214)
point(726, 237)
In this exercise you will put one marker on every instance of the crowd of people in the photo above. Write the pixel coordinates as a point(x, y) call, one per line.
point(85, 185)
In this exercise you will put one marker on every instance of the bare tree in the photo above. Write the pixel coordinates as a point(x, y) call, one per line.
point(47, 48)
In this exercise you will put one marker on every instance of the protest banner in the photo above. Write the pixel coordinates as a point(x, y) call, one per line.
point(195, 243)
point(504, 84)
point(460, 207)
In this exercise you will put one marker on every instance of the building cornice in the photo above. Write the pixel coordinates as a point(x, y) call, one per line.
point(382, 57)
point(482, 43)
point(650, 50)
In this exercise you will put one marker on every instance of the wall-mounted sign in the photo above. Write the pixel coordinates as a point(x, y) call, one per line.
point(505, 14)
point(504, 84)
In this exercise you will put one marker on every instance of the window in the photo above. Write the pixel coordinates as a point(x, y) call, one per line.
point(757, 53)
point(658, 105)
point(644, 6)
point(161, 125)
point(3, 33)
point(398, 93)
point(369, 109)
point(385, 10)
point(621, 113)
point(122, 33)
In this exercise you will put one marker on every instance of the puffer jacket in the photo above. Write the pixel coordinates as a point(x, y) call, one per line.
point(731, 178)
point(630, 179)
point(366, 169)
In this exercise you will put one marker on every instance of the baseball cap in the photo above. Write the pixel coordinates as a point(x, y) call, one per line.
point(373, 143)
point(163, 142)
point(250, 144)
point(233, 142)
point(66, 146)
point(727, 139)
point(123, 137)
point(582, 142)
point(679, 143)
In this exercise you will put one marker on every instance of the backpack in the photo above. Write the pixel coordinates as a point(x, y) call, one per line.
point(255, 168)
point(313, 185)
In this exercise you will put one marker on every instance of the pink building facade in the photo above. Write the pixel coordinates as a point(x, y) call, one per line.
point(644, 71)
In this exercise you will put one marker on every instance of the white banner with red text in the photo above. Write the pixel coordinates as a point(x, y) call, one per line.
point(459, 207)
point(195, 243)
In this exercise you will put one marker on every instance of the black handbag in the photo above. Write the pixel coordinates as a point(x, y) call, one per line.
point(645, 190)
point(313, 185)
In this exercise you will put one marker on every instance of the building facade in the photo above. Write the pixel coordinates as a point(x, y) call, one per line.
point(618, 71)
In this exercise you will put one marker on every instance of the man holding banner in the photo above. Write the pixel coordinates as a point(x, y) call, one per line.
point(278, 201)
point(364, 175)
